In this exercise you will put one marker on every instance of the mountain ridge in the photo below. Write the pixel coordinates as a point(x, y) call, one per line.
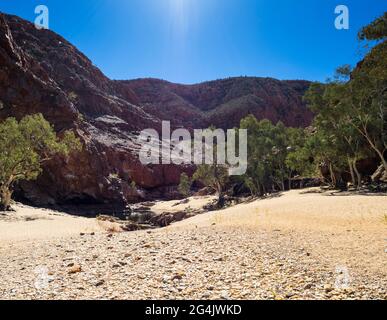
point(41, 72)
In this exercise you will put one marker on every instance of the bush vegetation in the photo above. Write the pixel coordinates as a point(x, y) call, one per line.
point(25, 146)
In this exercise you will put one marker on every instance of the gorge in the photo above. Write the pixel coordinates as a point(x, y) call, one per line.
point(41, 72)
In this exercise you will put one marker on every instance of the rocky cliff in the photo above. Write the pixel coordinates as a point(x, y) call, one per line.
point(42, 72)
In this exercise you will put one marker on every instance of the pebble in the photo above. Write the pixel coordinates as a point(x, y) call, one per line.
point(75, 269)
point(198, 263)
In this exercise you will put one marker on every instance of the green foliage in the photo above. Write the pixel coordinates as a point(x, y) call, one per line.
point(81, 117)
point(72, 96)
point(214, 176)
point(351, 112)
point(114, 176)
point(185, 185)
point(299, 159)
point(268, 149)
point(349, 125)
point(24, 147)
point(377, 30)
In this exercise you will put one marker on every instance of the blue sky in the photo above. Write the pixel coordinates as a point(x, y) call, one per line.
point(190, 41)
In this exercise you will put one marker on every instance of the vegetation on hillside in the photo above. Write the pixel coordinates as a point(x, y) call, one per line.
point(349, 125)
point(24, 147)
point(185, 185)
point(351, 110)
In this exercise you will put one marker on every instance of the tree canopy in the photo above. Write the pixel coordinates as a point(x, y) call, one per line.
point(349, 125)
point(24, 147)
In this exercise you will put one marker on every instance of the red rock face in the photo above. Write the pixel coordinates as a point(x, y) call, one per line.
point(223, 103)
point(42, 72)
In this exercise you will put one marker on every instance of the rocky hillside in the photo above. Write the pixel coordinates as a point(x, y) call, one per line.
point(223, 103)
point(42, 72)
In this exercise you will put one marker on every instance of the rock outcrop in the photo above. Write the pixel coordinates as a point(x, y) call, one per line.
point(40, 72)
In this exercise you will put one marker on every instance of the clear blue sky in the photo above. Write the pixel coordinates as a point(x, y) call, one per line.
point(190, 41)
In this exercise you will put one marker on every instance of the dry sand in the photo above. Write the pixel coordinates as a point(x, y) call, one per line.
point(31, 224)
point(303, 210)
point(193, 203)
point(297, 245)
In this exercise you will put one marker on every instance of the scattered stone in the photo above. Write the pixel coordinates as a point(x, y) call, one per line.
point(224, 295)
point(219, 259)
point(75, 269)
point(227, 264)
point(308, 286)
point(178, 275)
point(328, 288)
point(100, 283)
